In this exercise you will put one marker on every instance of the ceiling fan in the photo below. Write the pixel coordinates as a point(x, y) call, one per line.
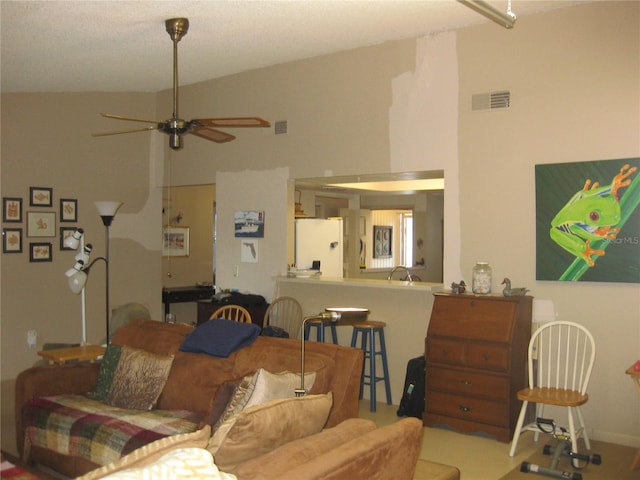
point(176, 127)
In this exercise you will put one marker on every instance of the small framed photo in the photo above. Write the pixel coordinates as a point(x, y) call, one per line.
point(41, 224)
point(382, 241)
point(175, 241)
point(40, 196)
point(64, 233)
point(11, 209)
point(40, 252)
point(68, 210)
point(12, 240)
point(249, 250)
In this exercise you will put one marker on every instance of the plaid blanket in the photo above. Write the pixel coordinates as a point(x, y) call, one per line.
point(78, 426)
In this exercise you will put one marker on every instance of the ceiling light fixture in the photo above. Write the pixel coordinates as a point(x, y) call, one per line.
point(492, 13)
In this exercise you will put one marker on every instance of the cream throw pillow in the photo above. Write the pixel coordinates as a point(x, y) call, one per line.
point(262, 428)
point(261, 387)
point(274, 386)
point(181, 464)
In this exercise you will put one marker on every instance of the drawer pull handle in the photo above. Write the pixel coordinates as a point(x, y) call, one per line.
point(466, 382)
point(464, 408)
point(445, 353)
point(486, 357)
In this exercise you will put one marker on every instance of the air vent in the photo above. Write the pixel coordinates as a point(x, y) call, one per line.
point(491, 100)
point(281, 127)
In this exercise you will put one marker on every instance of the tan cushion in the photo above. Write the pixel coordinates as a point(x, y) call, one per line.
point(152, 451)
point(260, 429)
point(139, 379)
point(299, 452)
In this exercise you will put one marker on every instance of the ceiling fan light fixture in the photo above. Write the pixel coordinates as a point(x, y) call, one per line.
point(175, 126)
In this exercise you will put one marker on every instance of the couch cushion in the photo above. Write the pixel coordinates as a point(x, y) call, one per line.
point(139, 379)
point(387, 452)
point(78, 426)
point(151, 452)
point(270, 465)
point(219, 402)
point(260, 429)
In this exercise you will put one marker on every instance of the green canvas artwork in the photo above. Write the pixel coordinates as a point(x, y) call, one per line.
point(588, 221)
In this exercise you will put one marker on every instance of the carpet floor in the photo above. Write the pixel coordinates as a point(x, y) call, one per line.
point(616, 464)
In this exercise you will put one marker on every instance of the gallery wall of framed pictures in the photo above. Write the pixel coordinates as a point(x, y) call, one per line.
point(40, 223)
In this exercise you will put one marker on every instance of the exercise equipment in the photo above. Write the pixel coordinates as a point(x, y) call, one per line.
point(562, 449)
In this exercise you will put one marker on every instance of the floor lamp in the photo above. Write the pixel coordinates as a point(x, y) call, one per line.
point(107, 211)
point(78, 274)
point(341, 315)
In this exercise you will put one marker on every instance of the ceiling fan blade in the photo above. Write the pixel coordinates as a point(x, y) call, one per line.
point(130, 119)
point(212, 134)
point(145, 129)
point(238, 122)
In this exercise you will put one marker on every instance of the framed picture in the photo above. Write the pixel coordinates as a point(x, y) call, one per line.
point(11, 209)
point(64, 233)
point(382, 241)
point(584, 209)
point(41, 224)
point(175, 241)
point(249, 250)
point(249, 223)
point(40, 196)
point(68, 210)
point(40, 252)
point(12, 240)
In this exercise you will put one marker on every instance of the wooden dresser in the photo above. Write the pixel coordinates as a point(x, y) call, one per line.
point(476, 355)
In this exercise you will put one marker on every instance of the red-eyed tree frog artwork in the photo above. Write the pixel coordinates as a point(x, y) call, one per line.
point(601, 215)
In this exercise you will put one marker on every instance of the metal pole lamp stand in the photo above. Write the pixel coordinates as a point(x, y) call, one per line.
point(341, 315)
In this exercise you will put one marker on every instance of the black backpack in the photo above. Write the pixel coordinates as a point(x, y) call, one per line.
point(412, 403)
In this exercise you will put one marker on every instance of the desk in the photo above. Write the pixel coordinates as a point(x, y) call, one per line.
point(635, 377)
point(82, 353)
point(184, 294)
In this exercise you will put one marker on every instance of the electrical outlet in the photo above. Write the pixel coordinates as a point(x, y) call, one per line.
point(235, 270)
point(32, 338)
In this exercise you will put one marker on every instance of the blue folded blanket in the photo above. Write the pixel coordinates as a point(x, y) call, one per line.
point(220, 337)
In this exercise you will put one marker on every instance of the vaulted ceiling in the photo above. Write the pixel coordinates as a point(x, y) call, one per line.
point(106, 46)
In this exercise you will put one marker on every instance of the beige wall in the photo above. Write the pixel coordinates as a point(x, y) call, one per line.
point(574, 77)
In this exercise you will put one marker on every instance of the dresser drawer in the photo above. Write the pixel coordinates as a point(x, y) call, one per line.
point(467, 408)
point(469, 317)
point(467, 383)
point(487, 356)
point(441, 350)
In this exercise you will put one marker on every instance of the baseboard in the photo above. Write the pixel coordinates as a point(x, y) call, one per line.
point(617, 438)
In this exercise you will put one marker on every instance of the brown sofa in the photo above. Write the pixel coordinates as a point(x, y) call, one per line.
point(194, 378)
point(347, 448)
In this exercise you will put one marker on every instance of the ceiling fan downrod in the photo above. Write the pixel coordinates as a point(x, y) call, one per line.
point(176, 28)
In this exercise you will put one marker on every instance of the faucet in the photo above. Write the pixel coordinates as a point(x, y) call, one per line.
point(401, 267)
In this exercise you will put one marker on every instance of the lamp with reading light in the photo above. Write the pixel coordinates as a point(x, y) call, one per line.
point(340, 315)
point(78, 274)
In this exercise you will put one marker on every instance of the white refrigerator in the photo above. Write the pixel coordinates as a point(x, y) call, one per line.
point(320, 240)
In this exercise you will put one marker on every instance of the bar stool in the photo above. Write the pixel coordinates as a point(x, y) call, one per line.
point(320, 325)
point(368, 329)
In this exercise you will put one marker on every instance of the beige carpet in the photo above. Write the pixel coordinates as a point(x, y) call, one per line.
point(616, 463)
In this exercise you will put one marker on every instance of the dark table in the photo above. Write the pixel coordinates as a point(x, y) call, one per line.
point(185, 294)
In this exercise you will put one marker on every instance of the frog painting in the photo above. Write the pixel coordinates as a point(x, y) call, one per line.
point(588, 221)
